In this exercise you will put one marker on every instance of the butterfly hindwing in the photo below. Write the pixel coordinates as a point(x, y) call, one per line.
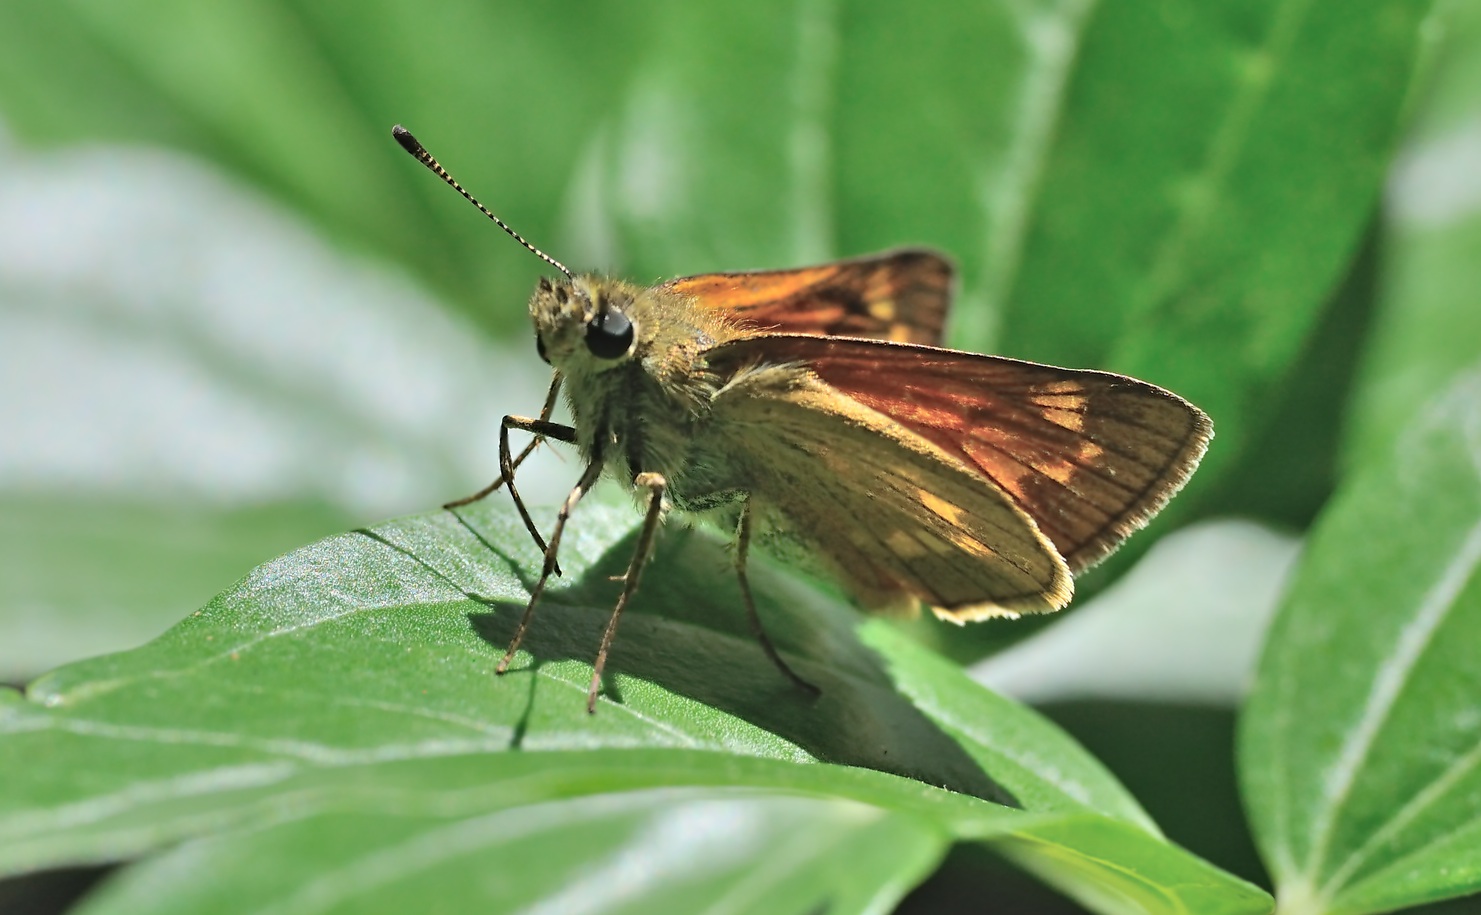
point(892, 517)
point(1090, 456)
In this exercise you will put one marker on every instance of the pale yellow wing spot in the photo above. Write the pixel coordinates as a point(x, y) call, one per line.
point(1072, 420)
point(1064, 386)
point(969, 544)
point(1062, 403)
point(1062, 470)
point(946, 511)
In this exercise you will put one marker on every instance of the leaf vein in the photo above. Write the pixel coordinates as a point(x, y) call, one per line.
point(1393, 674)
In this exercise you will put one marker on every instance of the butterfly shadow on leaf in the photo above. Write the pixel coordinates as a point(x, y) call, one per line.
point(686, 635)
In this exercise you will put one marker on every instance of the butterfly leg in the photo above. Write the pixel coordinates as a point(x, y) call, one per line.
point(555, 387)
point(587, 481)
point(742, 548)
point(656, 486)
point(544, 430)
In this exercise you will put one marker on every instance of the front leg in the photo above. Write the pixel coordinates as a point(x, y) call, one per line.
point(656, 486)
point(542, 429)
point(545, 411)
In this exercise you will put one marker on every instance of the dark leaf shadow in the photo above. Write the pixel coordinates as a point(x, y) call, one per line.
point(686, 632)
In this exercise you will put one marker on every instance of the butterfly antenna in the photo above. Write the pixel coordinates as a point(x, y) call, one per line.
point(410, 144)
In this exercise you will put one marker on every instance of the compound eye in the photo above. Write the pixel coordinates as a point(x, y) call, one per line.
point(540, 349)
point(609, 335)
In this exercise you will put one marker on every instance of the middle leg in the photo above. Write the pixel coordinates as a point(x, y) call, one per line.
point(656, 486)
point(742, 550)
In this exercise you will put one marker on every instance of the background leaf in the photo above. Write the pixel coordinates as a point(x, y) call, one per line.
point(1361, 777)
point(662, 849)
point(1428, 327)
point(1213, 212)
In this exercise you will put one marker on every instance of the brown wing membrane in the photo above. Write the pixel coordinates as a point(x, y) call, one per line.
point(900, 296)
point(1091, 456)
point(894, 519)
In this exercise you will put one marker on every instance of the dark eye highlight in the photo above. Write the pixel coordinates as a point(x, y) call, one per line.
point(609, 335)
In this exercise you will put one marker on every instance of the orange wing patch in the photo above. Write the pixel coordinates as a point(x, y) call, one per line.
point(900, 296)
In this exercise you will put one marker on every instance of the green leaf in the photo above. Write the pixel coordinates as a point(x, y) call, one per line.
point(426, 815)
point(663, 849)
point(1360, 748)
point(341, 676)
point(86, 575)
point(1212, 174)
point(816, 129)
point(1428, 326)
point(1024, 752)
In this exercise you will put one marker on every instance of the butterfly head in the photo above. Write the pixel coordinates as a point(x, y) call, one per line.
point(584, 323)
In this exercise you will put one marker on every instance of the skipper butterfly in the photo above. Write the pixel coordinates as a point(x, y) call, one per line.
point(815, 410)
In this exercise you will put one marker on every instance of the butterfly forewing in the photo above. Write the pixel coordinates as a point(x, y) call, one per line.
point(1090, 456)
point(894, 519)
point(900, 296)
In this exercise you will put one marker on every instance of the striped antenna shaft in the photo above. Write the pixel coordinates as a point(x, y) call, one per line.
point(410, 144)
